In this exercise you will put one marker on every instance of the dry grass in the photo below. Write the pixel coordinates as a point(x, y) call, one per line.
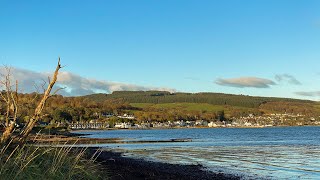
point(54, 161)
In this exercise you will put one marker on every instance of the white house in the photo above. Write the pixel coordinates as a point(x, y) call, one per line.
point(126, 116)
point(212, 124)
point(123, 125)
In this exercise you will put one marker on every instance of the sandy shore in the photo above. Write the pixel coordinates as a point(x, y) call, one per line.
point(121, 167)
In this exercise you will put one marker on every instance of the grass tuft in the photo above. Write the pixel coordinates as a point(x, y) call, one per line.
point(55, 161)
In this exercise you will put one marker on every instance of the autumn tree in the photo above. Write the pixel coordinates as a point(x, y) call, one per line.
point(10, 97)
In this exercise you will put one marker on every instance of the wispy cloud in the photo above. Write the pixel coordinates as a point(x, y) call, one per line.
point(243, 82)
point(287, 78)
point(308, 93)
point(76, 85)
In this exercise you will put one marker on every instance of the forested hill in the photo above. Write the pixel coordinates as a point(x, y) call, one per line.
point(158, 97)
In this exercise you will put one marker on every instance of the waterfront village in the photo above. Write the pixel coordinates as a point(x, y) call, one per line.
point(127, 121)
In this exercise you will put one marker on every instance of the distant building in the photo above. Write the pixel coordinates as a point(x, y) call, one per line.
point(247, 124)
point(94, 125)
point(107, 115)
point(123, 125)
point(126, 116)
point(212, 124)
point(201, 123)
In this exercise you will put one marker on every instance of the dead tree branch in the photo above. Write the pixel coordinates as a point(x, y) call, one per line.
point(37, 113)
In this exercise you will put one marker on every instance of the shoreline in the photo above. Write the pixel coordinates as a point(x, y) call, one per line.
point(121, 167)
point(77, 132)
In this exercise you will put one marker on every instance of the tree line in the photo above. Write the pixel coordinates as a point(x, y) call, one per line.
point(86, 108)
point(211, 98)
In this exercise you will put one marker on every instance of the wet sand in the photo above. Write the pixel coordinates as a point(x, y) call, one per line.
point(121, 167)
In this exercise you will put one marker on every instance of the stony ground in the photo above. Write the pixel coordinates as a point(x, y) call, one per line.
point(121, 167)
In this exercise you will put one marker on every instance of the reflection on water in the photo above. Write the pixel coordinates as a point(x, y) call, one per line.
point(271, 162)
point(273, 153)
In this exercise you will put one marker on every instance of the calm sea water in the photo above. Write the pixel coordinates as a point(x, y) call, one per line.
point(271, 153)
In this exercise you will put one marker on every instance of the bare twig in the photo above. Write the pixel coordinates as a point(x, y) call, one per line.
point(57, 90)
point(43, 85)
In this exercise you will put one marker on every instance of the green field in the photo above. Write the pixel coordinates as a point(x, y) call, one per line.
point(189, 107)
point(182, 106)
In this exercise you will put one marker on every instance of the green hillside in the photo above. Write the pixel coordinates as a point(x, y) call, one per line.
point(192, 107)
point(184, 106)
point(232, 105)
point(161, 97)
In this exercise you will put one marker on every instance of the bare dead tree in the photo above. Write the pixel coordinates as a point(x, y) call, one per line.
point(37, 113)
point(10, 97)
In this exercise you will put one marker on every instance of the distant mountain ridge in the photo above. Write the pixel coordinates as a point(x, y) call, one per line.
point(158, 97)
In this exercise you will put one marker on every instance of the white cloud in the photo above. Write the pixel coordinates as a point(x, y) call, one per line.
point(242, 82)
point(76, 85)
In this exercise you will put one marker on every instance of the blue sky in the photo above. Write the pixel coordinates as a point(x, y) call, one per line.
point(261, 48)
